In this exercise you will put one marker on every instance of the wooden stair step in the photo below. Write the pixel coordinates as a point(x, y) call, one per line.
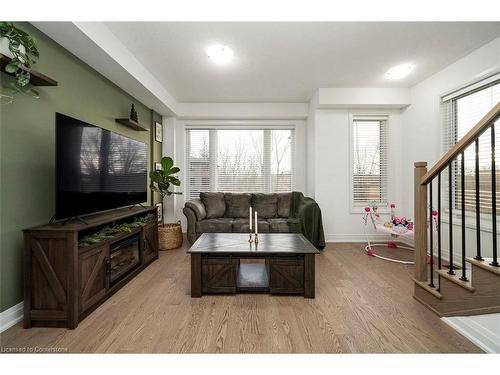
point(431, 290)
point(456, 278)
point(484, 264)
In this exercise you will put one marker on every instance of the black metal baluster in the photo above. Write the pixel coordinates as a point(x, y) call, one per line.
point(450, 208)
point(494, 197)
point(439, 227)
point(431, 239)
point(462, 185)
point(478, 207)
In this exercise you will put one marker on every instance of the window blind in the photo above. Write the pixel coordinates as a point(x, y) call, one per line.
point(369, 160)
point(239, 160)
point(459, 115)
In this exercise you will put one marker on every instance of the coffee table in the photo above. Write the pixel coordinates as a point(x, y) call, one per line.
point(281, 263)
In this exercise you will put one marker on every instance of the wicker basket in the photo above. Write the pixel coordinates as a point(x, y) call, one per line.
point(170, 236)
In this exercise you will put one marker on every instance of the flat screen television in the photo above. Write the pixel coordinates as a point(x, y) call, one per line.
point(96, 170)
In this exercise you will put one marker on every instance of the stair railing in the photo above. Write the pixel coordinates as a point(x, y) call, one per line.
point(423, 204)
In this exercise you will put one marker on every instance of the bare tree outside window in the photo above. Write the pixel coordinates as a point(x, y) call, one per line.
point(242, 160)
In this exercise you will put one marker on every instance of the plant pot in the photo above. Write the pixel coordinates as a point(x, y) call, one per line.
point(170, 236)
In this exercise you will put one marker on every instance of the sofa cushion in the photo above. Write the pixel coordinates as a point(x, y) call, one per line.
point(237, 204)
point(215, 205)
point(284, 204)
point(266, 205)
point(282, 225)
point(198, 208)
point(222, 225)
point(263, 226)
point(241, 226)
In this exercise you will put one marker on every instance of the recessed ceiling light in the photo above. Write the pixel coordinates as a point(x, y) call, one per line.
point(399, 71)
point(219, 53)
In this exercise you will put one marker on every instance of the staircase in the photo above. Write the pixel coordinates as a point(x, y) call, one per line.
point(461, 284)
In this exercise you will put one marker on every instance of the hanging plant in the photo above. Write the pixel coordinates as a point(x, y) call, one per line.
point(22, 47)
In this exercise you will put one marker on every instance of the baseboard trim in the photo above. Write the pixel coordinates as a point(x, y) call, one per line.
point(475, 332)
point(11, 316)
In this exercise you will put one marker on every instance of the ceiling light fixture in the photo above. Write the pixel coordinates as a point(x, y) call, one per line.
point(399, 71)
point(219, 53)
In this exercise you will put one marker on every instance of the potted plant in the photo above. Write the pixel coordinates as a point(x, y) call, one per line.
point(21, 48)
point(170, 235)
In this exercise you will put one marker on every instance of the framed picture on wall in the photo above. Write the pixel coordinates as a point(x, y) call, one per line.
point(157, 166)
point(160, 210)
point(158, 132)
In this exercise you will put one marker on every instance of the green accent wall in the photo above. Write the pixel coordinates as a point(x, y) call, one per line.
point(27, 147)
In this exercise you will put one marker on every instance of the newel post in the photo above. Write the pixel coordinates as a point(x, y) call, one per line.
point(420, 208)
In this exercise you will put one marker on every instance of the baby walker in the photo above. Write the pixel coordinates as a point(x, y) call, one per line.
point(398, 227)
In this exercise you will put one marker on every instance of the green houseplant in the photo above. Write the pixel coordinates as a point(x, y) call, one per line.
point(162, 181)
point(24, 53)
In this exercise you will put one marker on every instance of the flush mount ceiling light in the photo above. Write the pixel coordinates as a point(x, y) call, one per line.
point(219, 53)
point(399, 71)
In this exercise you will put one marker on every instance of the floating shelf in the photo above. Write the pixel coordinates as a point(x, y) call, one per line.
point(36, 78)
point(132, 124)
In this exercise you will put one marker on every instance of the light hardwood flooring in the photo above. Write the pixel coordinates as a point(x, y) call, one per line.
point(362, 305)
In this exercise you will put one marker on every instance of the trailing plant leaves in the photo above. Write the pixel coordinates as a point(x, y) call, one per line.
point(108, 233)
point(11, 67)
point(23, 58)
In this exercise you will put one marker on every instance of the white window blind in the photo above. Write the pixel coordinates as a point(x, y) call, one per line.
point(369, 160)
point(459, 115)
point(239, 160)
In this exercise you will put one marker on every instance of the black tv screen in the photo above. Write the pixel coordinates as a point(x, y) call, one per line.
point(96, 169)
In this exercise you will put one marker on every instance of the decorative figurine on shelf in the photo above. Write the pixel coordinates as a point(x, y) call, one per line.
point(133, 114)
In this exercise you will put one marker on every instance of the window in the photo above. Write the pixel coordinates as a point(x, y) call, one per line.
point(239, 160)
point(369, 160)
point(460, 114)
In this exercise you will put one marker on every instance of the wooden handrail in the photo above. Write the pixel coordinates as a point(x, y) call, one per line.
point(460, 146)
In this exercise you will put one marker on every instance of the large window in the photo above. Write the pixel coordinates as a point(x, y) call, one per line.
point(239, 160)
point(460, 114)
point(369, 160)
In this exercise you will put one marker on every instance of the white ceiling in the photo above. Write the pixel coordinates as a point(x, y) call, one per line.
point(287, 61)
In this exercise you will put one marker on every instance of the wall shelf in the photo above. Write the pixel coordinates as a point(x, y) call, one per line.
point(36, 78)
point(132, 124)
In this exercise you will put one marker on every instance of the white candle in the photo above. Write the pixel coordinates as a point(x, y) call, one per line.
point(250, 214)
point(256, 222)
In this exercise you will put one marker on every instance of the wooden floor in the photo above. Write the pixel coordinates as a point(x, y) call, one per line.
point(362, 305)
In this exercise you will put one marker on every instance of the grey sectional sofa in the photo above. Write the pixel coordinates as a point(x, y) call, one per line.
point(228, 213)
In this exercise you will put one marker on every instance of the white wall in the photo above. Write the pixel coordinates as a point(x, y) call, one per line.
point(421, 139)
point(332, 170)
point(422, 121)
point(233, 114)
point(323, 135)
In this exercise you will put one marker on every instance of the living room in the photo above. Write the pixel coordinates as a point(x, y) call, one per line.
point(249, 186)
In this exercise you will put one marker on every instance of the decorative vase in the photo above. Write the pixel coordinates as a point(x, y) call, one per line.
point(170, 236)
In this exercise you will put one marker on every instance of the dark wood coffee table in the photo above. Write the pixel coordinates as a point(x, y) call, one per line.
point(281, 263)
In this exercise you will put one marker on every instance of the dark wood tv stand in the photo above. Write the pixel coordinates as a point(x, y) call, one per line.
point(65, 282)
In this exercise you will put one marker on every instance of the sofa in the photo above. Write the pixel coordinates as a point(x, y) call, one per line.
point(217, 212)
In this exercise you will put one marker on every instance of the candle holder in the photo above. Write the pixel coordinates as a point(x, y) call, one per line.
point(256, 239)
point(250, 239)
